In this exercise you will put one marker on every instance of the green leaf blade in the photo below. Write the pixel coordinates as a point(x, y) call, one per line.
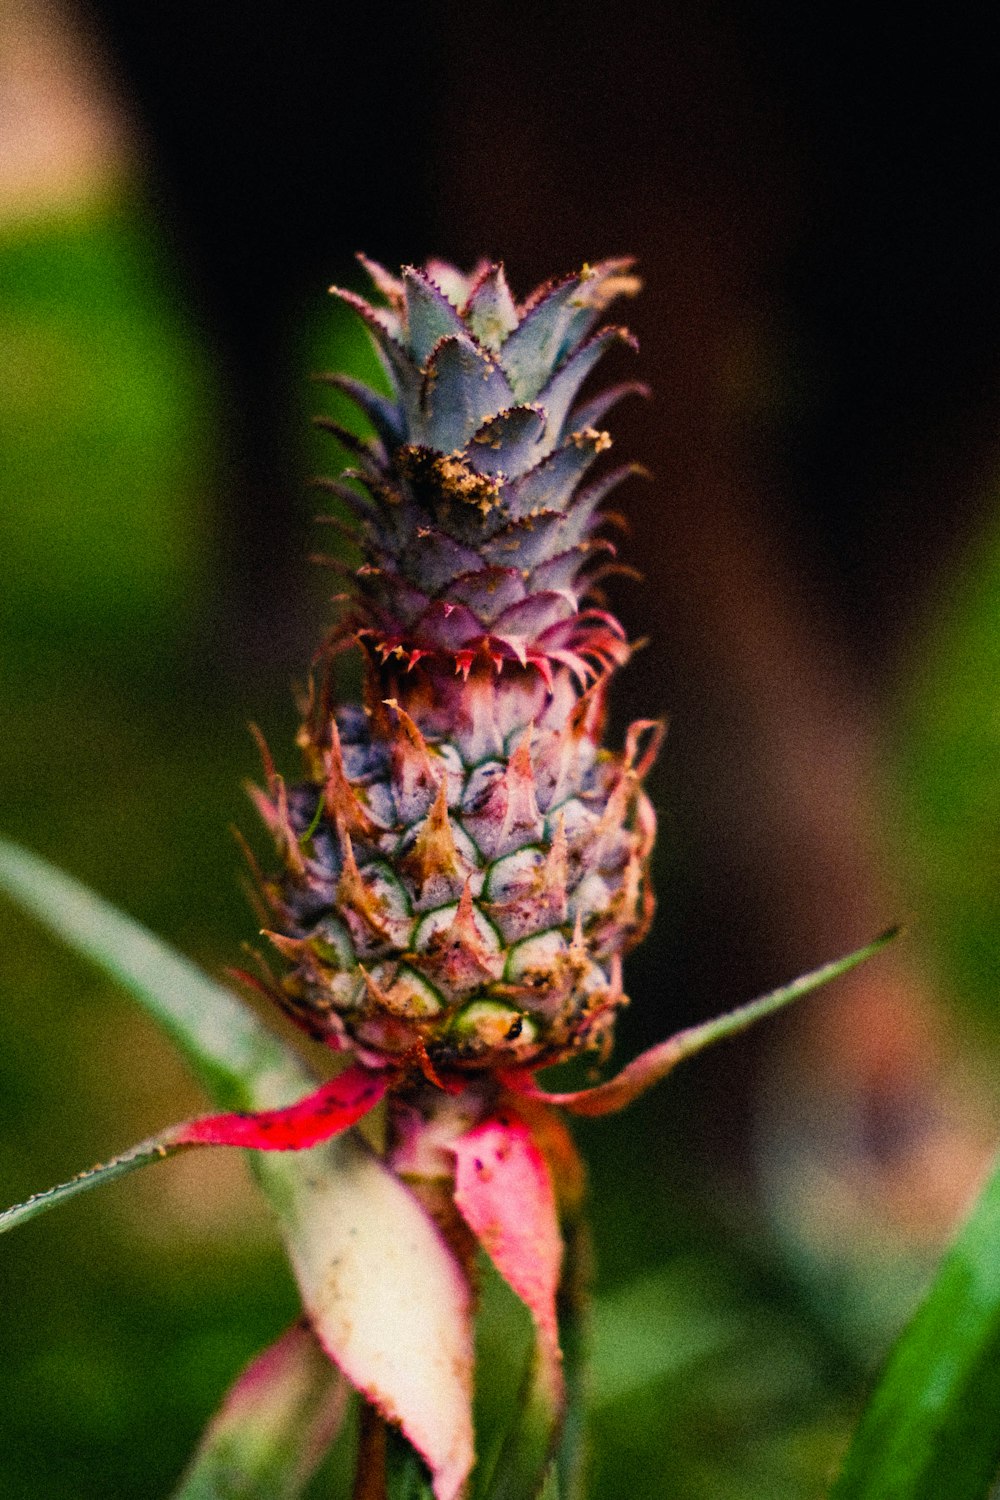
point(688, 1043)
point(931, 1430)
point(241, 1064)
point(142, 1155)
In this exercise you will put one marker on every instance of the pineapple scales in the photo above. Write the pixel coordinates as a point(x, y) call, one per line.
point(465, 865)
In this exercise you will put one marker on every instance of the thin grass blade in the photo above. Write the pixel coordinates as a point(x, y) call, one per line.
point(931, 1430)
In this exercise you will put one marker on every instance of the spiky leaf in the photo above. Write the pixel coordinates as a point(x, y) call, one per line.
point(656, 1062)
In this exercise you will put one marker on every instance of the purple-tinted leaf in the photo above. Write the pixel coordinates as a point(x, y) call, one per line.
point(368, 452)
point(362, 507)
point(455, 284)
point(525, 543)
point(534, 348)
point(430, 316)
point(509, 443)
point(558, 394)
point(435, 559)
point(489, 591)
point(383, 413)
point(384, 282)
point(544, 535)
point(383, 327)
point(449, 627)
point(560, 573)
point(550, 485)
point(533, 615)
point(562, 316)
point(383, 1292)
point(490, 310)
point(401, 601)
point(274, 1426)
point(461, 388)
point(602, 284)
point(591, 413)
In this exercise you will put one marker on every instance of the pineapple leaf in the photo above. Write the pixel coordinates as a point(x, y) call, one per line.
point(696, 1038)
point(505, 1193)
point(241, 1064)
point(384, 1294)
point(931, 1430)
point(559, 392)
point(327, 1111)
point(490, 311)
point(430, 316)
point(273, 1427)
point(142, 1155)
point(462, 388)
point(536, 345)
point(656, 1062)
point(508, 443)
point(550, 485)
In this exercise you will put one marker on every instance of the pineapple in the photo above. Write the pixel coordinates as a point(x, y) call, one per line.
point(463, 868)
point(465, 865)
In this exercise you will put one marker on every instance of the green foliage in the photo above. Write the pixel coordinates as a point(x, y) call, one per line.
point(406, 1476)
point(931, 1431)
point(104, 396)
point(947, 772)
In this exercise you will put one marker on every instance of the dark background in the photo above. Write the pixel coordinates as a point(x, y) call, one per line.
point(762, 161)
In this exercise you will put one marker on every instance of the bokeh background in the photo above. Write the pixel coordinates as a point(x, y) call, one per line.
point(815, 203)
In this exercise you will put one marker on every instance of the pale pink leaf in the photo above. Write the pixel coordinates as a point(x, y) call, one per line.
point(386, 1297)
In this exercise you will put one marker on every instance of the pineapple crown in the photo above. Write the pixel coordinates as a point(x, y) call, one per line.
point(477, 530)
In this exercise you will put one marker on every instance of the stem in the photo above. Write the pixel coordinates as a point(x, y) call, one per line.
point(370, 1476)
point(422, 1125)
point(574, 1332)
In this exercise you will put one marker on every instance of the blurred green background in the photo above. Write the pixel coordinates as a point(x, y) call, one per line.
point(753, 1267)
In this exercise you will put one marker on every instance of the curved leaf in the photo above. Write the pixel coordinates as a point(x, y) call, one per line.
point(325, 1112)
point(276, 1422)
point(385, 1295)
point(241, 1064)
point(931, 1431)
point(504, 1191)
point(656, 1062)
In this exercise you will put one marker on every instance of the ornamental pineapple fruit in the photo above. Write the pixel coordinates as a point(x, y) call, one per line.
point(464, 865)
